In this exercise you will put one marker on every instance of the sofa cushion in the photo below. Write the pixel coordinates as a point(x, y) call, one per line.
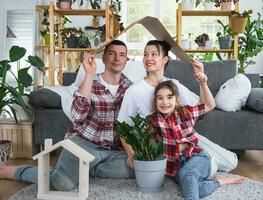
point(45, 98)
point(233, 93)
point(255, 99)
point(218, 72)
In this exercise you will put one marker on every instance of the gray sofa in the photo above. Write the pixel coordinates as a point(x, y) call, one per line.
point(241, 130)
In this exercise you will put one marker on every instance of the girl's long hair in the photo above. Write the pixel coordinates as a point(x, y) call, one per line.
point(175, 91)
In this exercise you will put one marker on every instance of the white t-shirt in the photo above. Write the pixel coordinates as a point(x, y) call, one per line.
point(112, 88)
point(138, 99)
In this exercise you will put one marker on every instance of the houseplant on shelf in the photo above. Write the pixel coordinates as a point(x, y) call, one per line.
point(250, 43)
point(224, 37)
point(203, 41)
point(12, 94)
point(149, 164)
point(64, 4)
point(225, 4)
point(238, 20)
point(70, 36)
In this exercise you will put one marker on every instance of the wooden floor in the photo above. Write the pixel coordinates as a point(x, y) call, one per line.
point(250, 165)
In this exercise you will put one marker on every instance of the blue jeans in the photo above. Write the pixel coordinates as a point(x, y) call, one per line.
point(65, 176)
point(192, 176)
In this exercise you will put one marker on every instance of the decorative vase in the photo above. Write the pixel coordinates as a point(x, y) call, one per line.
point(64, 5)
point(208, 5)
point(103, 4)
point(150, 174)
point(226, 6)
point(186, 44)
point(187, 4)
point(96, 22)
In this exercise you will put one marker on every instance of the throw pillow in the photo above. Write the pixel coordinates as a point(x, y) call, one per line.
point(233, 93)
point(45, 98)
point(255, 99)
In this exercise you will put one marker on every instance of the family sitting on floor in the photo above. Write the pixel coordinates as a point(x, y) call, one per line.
point(104, 98)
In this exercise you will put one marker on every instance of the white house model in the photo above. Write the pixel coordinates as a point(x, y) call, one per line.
point(43, 171)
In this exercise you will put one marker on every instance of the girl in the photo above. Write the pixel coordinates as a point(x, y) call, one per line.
point(174, 124)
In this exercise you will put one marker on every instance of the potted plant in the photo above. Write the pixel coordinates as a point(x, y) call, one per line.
point(250, 43)
point(225, 4)
point(45, 27)
point(149, 164)
point(238, 21)
point(224, 37)
point(70, 36)
point(45, 31)
point(203, 41)
point(64, 4)
point(11, 94)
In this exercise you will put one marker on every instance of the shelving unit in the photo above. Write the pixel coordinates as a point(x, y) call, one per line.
point(55, 17)
point(179, 17)
point(41, 48)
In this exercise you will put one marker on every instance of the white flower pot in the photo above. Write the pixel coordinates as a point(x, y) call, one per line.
point(187, 4)
point(150, 174)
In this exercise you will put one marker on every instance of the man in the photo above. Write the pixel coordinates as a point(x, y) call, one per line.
point(95, 109)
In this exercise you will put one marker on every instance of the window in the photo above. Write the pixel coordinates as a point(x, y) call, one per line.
point(21, 24)
point(137, 37)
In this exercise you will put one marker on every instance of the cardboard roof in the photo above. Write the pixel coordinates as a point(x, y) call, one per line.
point(155, 27)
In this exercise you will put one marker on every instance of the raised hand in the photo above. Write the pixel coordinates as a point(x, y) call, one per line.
point(89, 63)
point(201, 77)
point(197, 66)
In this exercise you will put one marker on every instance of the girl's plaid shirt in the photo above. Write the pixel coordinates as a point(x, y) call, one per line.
point(174, 130)
point(94, 120)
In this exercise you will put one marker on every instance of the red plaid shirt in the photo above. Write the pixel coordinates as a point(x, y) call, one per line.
point(173, 130)
point(94, 120)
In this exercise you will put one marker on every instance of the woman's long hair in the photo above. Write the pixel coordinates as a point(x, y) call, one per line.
point(175, 91)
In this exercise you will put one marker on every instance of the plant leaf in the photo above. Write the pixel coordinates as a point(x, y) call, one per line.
point(16, 53)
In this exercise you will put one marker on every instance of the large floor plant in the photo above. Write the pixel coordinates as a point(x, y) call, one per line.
point(10, 93)
point(250, 43)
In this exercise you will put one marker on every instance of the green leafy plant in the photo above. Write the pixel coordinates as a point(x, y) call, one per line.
point(250, 43)
point(70, 32)
point(9, 94)
point(45, 29)
point(116, 6)
point(226, 30)
point(201, 40)
point(245, 13)
point(139, 136)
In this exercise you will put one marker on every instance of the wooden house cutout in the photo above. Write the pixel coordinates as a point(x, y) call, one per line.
point(43, 171)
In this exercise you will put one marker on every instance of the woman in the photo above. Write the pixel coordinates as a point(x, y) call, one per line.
point(138, 99)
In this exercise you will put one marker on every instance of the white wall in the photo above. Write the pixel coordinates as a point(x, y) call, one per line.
point(256, 6)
